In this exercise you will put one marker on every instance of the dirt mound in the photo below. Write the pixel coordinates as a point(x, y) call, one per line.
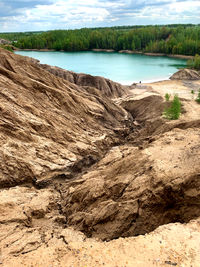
point(186, 74)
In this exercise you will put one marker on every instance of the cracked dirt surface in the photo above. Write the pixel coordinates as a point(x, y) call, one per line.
point(169, 245)
point(38, 237)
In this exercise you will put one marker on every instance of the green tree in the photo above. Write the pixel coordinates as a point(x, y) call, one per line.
point(194, 63)
point(174, 111)
point(167, 97)
point(133, 45)
point(168, 39)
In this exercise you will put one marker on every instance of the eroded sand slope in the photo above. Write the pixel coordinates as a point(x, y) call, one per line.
point(75, 158)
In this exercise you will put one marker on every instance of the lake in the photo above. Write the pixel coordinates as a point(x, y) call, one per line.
point(123, 68)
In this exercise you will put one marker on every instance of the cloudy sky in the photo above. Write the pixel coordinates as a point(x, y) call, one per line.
point(32, 15)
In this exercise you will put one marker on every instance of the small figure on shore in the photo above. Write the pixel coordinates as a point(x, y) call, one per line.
point(140, 82)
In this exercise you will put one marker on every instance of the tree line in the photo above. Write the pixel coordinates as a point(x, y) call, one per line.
point(15, 36)
point(168, 39)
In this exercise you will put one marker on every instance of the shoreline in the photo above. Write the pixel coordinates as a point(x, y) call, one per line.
point(156, 54)
point(114, 51)
point(36, 50)
point(103, 50)
point(143, 82)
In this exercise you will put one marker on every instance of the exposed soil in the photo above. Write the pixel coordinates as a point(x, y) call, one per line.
point(82, 153)
point(186, 74)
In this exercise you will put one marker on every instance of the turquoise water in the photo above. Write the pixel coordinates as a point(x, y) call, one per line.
point(123, 68)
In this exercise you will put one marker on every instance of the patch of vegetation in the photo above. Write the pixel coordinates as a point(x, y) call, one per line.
point(198, 97)
point(192, 92)
point(194, 63)
point(174, 111)
point(7, 47)
point(167, 97)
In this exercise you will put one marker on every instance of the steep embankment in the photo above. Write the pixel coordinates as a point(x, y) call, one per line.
point(105, 86)
point(49, 126)
point(71, 156)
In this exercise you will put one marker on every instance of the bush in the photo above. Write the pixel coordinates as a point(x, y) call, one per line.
point(7, 47)
point(194, 63)
point(174, 111)
point(192, 92)
point(198, 97)
point(167, 97)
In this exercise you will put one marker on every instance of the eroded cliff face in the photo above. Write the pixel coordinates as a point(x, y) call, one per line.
point(49, 126)
point(105, 86)
point(81, 156)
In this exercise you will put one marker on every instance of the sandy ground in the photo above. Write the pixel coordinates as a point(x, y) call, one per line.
point(169, 245)
point(181, 88)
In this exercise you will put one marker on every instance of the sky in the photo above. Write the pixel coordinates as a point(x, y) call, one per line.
point(41, 15)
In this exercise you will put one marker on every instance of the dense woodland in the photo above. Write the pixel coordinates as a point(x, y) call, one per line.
point(169, 39)
point(15, 36)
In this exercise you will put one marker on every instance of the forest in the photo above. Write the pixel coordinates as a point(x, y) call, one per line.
point(15, 36)
point(168, 39)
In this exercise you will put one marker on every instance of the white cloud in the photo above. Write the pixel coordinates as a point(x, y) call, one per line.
point(164, 11)
point(60, 12)
point(52, 14)
point(186, 6)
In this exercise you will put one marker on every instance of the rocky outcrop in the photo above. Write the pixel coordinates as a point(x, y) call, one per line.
point(186, 74)
point(107, 87)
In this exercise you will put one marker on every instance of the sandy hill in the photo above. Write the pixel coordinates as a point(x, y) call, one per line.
point(91, 174)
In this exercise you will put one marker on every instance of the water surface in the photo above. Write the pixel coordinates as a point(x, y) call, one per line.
point(123, 68)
